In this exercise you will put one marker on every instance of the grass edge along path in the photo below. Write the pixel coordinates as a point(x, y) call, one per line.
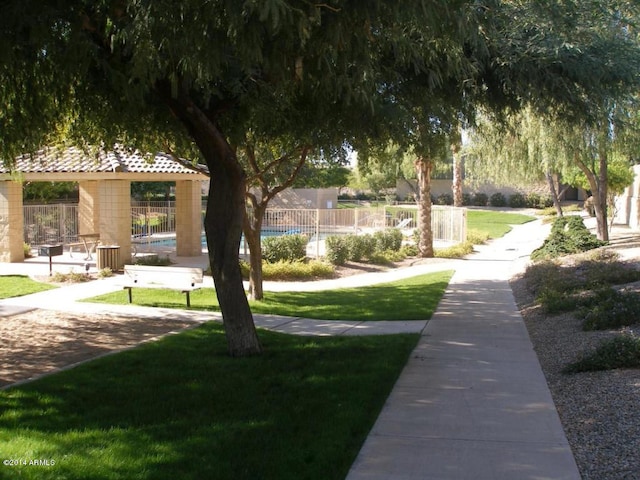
point(19, 285)
point(495, 224)
point(181, 408)
point(414, 298)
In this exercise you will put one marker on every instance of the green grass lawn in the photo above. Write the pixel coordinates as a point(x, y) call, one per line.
point(181, 408)
point(494, 224)
point(18, 285)
point(415, 298)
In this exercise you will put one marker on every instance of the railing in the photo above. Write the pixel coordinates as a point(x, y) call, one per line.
point(448, 223)
point(58, 223)
point(147, 220)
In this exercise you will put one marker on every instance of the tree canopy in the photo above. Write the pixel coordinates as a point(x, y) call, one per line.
point(193, 77)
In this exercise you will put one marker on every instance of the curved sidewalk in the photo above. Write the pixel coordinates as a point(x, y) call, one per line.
point(472, 401)
point(67, 299)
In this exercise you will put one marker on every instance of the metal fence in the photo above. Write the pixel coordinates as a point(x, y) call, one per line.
point(58, 223)
point(147, 220)
point(449, 224)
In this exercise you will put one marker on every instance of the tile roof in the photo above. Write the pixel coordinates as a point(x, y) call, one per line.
point(75, 160)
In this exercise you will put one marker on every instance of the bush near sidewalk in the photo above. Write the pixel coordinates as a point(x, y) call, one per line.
point(591, 286)
point(568, 235)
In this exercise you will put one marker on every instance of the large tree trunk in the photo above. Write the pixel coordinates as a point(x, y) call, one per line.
point(252, 231)
point(424, 167)
point(457, 175)
point(598, 186)
point(223, 220)
point(223, 226)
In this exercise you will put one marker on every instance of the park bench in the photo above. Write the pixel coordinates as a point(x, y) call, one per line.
point(183, 279)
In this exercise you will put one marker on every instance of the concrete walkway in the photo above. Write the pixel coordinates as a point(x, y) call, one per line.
point(472, 402)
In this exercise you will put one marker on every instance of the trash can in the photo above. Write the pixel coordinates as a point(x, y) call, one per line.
point(108, 257)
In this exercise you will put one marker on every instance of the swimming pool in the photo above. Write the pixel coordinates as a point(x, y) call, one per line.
point(170, 241)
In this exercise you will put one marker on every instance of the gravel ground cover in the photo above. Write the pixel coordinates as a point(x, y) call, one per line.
point(599, 410)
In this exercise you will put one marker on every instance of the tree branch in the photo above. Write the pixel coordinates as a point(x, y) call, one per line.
point(292, 176)
point(267, 193)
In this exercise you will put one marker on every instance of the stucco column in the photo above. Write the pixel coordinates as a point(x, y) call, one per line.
point(11, 222)
point(88, 207)
point(115, 216)
point(188, 218)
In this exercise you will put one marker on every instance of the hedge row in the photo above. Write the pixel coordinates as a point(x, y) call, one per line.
point(343, 248)
point(516, 200)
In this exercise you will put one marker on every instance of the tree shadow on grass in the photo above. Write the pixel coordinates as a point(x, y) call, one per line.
point(181, 408)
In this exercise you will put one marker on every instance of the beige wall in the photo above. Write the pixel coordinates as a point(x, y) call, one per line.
point(319, 197)
point(188, 218)
point(115, 216)
point(440, 187)
point(11, 222)
point(628, 204)
point(88, 207)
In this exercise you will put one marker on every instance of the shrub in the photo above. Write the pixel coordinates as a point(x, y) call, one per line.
point(153, 260)
point(359, 247)
point(455, 251)
point(609, 308)
point(476, 237)
point(27, 250)
point(394, 255)
point(71, 277)
point(517, 200)
point(105, 273)
point(533, 200)
point(549, 274)
point(299, 270)
point(444, 199)
point(284, 247)
point(336, 250)
point(603, 267)
point(389, 239)
point(466, 199)
point(618, 352)
point(579, 236)
point(409, 250)
point(480, 199)
point(568, 235)
point(497, 200)
point(556, 301)
point(385, 258)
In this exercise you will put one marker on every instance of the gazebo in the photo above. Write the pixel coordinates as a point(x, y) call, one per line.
point(104, 196)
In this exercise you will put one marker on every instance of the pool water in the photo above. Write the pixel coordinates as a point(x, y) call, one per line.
point(171, 241)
